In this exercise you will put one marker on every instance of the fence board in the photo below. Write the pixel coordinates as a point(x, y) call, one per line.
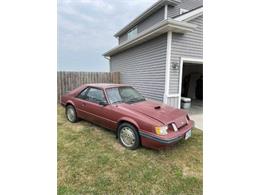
point(67, 81)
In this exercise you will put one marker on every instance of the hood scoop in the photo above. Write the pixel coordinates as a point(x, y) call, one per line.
point(162, 113)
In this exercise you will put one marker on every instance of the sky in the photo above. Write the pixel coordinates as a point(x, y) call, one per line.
point(86, 29)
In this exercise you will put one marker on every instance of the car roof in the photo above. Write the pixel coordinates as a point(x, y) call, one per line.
point(106, 85)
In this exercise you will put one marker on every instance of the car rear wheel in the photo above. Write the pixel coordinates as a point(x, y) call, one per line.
point(128, 136)
point(71, 114)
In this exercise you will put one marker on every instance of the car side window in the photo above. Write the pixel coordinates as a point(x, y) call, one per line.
point(95, 95)
point(83, 94)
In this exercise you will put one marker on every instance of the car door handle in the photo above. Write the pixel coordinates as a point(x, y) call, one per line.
point(83, 105)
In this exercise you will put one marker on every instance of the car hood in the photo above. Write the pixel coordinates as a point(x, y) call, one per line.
point(159, 111)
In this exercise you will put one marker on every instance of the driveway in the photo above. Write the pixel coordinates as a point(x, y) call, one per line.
point(196, 113)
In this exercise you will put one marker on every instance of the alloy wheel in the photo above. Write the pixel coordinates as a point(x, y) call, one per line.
point(71, 114)
point(127, 136)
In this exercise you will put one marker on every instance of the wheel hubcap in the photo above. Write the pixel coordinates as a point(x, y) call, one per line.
point(127, 136)
point(71, 114)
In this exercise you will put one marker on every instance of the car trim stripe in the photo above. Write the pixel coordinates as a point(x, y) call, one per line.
point(97, 116)
point(163, 141)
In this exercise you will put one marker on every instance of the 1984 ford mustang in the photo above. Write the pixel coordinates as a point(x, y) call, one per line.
point(136, 120)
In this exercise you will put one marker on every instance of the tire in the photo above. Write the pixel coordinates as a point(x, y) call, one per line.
point(71, 114)
point(128, 136)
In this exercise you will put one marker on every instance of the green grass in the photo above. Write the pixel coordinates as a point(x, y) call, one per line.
point(91, 161)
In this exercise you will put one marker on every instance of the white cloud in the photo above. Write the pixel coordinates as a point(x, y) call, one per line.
point(71, 11)
point(86, 28)
point(71, 27)
point(98, 4)
point(143, 3)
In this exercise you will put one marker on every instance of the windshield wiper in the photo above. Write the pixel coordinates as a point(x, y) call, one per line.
point(118, 101)
point(135, 100)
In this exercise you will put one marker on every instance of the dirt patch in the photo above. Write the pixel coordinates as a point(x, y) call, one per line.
point(118, 147)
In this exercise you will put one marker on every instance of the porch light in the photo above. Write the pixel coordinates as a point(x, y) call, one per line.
point(175, 65)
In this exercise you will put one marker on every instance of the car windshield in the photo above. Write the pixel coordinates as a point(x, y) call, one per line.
point(124, 95)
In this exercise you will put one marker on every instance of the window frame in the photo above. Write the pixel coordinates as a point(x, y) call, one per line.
point(85, 89)
point(183, 11)
point(129, 37)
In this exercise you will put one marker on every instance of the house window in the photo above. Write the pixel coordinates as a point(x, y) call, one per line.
point(182, 11)
point(132, 33)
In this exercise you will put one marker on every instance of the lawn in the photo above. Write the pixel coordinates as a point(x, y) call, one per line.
point(91, 161)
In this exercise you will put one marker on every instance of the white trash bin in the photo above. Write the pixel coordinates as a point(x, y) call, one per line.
point(185, 102)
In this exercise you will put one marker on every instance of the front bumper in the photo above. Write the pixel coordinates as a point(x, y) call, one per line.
point(156, 142)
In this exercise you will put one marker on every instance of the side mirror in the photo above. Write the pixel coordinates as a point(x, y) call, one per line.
point(104, 103)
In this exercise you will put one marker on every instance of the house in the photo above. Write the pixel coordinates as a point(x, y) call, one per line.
point(160, 52)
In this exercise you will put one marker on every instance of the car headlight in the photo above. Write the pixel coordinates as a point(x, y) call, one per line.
point(161, 130)
point(174, 127)
point(187, 119)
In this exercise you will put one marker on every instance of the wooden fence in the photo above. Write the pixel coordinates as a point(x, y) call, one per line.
point(67, 81)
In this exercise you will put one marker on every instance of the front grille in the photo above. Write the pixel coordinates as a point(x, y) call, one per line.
point(176, 128)
point(183, 124)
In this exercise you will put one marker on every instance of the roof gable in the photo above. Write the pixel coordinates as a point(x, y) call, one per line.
point(156, 6)
point(154, 31)
point(187, 16)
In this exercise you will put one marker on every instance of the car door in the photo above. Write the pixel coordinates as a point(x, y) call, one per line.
point(97, 106)
point(80, 104)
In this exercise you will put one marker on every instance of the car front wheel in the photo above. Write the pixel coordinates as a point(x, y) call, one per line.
point(128, 136)
point(71, 114)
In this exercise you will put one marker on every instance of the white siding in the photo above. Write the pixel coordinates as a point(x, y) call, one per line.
point(173, 101)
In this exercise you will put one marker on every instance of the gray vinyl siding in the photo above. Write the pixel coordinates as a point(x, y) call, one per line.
point(143, 67)
point(122, 38)
point(151, 20)
point(188, 45)
point(186, 4)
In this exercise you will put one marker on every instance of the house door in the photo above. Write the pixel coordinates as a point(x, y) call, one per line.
point(191, 80)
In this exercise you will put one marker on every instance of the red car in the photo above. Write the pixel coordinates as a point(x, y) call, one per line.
point(136, 120)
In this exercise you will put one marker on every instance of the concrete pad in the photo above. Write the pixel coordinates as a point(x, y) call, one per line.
point(198, 118)
point(196, 113)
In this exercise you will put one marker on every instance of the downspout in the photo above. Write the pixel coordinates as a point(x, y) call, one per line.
point(166, 12)
point(108, 58)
